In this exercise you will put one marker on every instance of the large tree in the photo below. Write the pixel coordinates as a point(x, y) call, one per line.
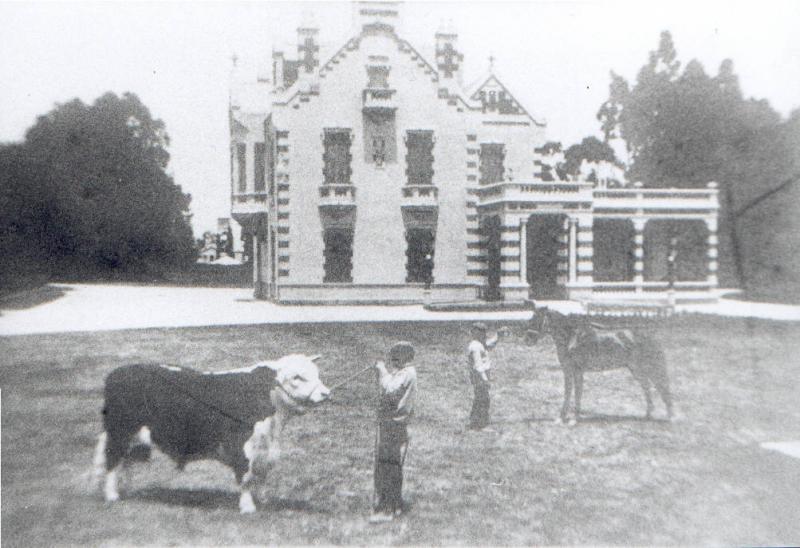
point(91, 193)
point(685, 128)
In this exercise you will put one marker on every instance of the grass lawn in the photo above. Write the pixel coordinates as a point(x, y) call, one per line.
point(612, 479)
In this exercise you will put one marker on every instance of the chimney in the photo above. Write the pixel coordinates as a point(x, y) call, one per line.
point(449, 61)
point(277, 69)
point(377, 15)
point(308, 44)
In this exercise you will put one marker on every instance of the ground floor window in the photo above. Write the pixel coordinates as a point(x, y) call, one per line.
point(419, 255)
point(338, 255)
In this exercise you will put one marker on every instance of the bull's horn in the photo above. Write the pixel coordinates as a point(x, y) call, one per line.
point(315, 357)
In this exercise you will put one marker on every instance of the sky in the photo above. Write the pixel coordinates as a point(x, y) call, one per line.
point(554, 56)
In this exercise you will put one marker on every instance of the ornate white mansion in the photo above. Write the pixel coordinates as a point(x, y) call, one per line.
point(372, 174)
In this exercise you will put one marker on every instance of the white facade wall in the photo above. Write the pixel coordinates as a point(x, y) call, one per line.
point(288, 224)
point(379, 246)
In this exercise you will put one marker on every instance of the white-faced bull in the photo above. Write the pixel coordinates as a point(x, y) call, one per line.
point(585, 346)
point(235, 417)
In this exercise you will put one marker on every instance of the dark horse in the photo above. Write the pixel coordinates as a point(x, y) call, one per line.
point(586, 346)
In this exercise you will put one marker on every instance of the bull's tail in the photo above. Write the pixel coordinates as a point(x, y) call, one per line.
point(99, 461)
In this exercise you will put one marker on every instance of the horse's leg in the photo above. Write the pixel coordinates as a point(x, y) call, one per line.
point(568, 374)
point(578, 392)
point(643, 380)
point(660, 378)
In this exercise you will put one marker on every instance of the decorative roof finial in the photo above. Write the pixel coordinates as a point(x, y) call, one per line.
point(234, 59)
point(491, 63)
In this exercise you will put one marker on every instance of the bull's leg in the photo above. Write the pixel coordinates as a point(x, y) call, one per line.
point(120, 430)
point(248, 483)
point(260, 453)
point(568, 374)
point(115, 450)
point(237, 460)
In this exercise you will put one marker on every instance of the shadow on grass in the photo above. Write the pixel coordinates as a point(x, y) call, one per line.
point(195, 498)
point(521, 420)
point(601, 418)
point(213, 499)
point(32, 297)
point(766, 295)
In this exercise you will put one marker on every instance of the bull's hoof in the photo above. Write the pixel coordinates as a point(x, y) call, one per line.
point(111, 497)
point(572, 422)
point(246, 504)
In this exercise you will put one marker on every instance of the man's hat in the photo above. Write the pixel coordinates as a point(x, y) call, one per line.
point(480, 326)
point(402, 351)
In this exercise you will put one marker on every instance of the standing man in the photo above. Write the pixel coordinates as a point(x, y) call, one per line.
point(479, 366)
point(397, 385)
point(672, 257)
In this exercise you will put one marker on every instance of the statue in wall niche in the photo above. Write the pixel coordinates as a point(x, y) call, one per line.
point(379, 151)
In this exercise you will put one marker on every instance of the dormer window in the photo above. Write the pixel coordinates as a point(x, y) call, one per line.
point(491, 163)
point(378, 76)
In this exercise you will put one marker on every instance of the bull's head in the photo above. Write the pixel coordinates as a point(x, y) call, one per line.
point(539, 324)
point(298, 382)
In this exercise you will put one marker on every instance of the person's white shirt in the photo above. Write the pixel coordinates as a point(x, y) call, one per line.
point(478, 354)
point(398, 386)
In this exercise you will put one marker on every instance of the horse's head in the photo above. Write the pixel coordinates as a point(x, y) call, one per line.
point(539, 324)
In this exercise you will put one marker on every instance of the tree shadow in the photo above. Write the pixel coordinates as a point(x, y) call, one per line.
point(602, 418)
point(521, 420)
point(30, 298)
point(213, 499)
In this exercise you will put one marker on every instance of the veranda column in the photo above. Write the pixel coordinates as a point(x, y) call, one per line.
point(581, 233)
point(573, 250)
point(638, 254)
point(523, 250)
point(513, 283)
point(260, 260)
point(711, 252)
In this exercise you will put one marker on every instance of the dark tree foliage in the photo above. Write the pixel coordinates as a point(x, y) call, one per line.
point(549, 172)
point(548, 148)
point(87, 192)
point(687, 128)
point(590, 149)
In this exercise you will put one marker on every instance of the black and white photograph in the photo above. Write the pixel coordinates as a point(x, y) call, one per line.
point(400, 273)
